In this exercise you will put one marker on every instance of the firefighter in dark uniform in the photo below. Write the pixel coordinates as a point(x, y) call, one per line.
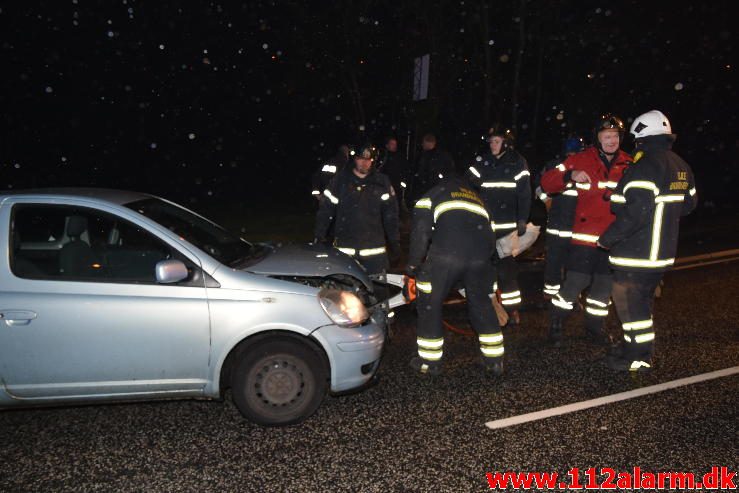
point(361, 205)
point(594, 172)
point(502, 177)
point(560, 215)
point(453, 219)
point(328, 170)
point(648, 202)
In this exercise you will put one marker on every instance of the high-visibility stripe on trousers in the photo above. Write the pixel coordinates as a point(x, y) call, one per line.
point(491, 345)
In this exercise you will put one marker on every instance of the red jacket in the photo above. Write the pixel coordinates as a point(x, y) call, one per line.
point(593, 212)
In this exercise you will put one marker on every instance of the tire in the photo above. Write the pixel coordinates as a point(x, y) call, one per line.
point(279, 381)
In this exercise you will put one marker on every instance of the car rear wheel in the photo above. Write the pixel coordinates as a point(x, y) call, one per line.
point(279, 381)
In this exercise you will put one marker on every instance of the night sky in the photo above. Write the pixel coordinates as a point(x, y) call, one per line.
point(238, 102)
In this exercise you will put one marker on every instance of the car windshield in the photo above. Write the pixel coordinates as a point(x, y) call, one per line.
point(211, 238)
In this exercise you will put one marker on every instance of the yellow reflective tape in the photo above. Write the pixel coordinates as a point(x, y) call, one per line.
point(607, 184)
point(620, 199)
point(561, 303)
point(385, 196)
point(330, 196)
point(521, 175)
point(598, 312)
point(424, 287)
point(327, 168)
point(635, 262)
point(669, 198)
point(692, 191)
point(510, 294)
point(316, 192)
point(570, 193)
point(656, 231)
point(474, 171)
point(491, 338)
point(430, 343)
point(492, 351)
point(498, 184)
point(459, 205)
point(368, 252)
point(642, 338)
point(638, 325)
point(512, 301)
point(430, 355)
point(584, 237)
point(499, 226)
point(647, 185)
point(635, 365)
point(561, 167)
point(424, 203)
point(627, 338)
point(348, 251)
point(596, 302)
point(582, 186)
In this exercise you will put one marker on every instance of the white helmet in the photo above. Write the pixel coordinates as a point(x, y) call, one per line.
point(650, 123)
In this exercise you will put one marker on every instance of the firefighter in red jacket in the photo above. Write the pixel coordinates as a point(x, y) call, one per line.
point(595, 172)
point(648, 202)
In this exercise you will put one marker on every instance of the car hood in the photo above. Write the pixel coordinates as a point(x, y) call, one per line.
point(308, 261)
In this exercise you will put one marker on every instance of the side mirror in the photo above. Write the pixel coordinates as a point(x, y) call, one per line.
point(171, 271)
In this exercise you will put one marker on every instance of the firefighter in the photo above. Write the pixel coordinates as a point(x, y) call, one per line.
point(594, 172)
point(648, 202)
point(361, 205)
point(453, 219)
point(329, 169)
point(502, 177)
point(560, 214)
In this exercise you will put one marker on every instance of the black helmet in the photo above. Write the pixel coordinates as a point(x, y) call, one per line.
point(505, 133)
point(609, 121)
point(367, 151)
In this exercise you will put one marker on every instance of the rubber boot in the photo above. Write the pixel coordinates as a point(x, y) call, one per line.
point(425, 366)
point(493, 366)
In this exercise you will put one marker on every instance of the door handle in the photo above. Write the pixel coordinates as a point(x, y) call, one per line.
point(17, 317)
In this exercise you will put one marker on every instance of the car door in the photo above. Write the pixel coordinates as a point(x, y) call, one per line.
point(89, 319)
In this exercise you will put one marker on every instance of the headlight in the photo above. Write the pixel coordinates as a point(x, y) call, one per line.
point(342, 307)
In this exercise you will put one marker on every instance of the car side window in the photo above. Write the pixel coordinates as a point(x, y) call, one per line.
point(83, 244)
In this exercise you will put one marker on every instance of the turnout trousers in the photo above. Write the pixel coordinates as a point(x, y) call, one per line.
point(438, 275)
point(510, 293)
point(587, 268)
point(556, 248)
point(633, 297)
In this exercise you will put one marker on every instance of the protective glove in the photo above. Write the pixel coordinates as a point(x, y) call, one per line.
point(521, 228)
point(394, 251)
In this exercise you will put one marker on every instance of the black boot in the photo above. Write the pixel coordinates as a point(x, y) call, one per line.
point(596, 332)
point(425, 366)
point(493, 366)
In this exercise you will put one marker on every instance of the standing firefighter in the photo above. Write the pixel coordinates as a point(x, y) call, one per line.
point(594, 172)
point(649, 201)
point(560, 215)
point(503, 179)
point(454, 220)
point(362, 206)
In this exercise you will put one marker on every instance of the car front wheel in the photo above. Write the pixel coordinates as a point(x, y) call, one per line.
point(279, 381)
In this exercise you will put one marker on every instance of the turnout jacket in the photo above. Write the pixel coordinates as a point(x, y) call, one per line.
point(593, 211)
point(504, 183)
point(648, 202)
point(364, 212)
point(321, 178)
point(453, 218)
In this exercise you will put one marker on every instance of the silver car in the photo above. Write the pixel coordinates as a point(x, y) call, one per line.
point(109, 295)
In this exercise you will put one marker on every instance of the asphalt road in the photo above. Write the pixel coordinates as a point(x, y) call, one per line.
point(416, 433)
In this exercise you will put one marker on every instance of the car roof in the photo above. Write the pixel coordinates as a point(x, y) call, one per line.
point(119, 197)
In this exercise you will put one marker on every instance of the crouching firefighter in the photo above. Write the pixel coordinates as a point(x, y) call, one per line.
point(454, 220)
